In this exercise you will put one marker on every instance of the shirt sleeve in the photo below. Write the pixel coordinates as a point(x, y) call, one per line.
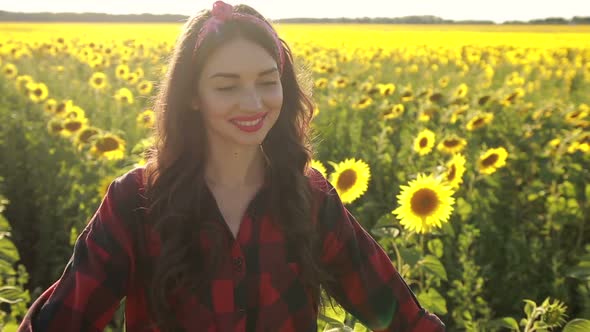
point(367, 284)
point(96, 277)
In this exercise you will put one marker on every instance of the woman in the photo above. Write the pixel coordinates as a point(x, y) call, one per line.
point(227, 228)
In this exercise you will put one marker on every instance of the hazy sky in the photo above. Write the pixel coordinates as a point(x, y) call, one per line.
point(495, 10)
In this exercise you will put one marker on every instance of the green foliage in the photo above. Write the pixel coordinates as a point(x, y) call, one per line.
point(13, 276)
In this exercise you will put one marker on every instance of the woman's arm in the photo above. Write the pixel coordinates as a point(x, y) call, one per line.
point(367, 284)
point(96, 277)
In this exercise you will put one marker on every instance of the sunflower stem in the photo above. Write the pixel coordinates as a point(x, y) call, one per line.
point(422, 285)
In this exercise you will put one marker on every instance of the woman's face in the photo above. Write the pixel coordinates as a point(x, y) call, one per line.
point(239, 94)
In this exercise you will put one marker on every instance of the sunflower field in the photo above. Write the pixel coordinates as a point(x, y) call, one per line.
point(464, 150)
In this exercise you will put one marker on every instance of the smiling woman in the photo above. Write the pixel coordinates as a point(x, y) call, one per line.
point(227, 227)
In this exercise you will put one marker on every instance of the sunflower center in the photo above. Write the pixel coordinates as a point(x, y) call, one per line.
point(452, 172)
point(452, 142)
point(490, 160)
point(423, 142)
point(38, 92)
point(424, 202)
point(478, 122)
point(60, 108)
point(98, 80)
point(87, 134)
point(73, 126)
point(347, 179)
point(56, 127)
point(107, 144)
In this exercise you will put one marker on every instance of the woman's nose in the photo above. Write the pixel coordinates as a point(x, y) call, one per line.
point(250, 100)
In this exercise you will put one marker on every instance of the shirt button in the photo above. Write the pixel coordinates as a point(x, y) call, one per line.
point(238, 262)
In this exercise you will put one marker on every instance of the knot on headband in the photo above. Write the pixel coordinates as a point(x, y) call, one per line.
point(223, 12)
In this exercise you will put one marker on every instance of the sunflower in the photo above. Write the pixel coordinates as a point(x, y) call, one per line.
point(50, 106)
point(321, 83)
point(146, 119)
point(386, 89)
point(491, 160)
point(407, 95)
point(425, 203)
point(341, 82)
point(55, 126)
point(427, 113)
point(424, 142)
point(72, 126)
point(451, 145)
point(109, 146)
point(458, 111)
point(581, 143)
point(139, 72)
point(63, 107)
point(461, 91)
point(363, 103)
point(122, 71)
point(575, 115)
point(351, 179)
point(479, 121)
point(319, 167)
point(481, 101)
point(98, 80)
point(393, 111)
point(513, 97)
point(145, 87)
point(455, 170)
point(38, 92)
point(74, 112)
point(10, 71)
point(85, 135)
point(443, 81)
point(132, 78)
point(23, 83)
point(124, 95)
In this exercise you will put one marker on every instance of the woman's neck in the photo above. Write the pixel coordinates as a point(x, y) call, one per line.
point(235, 166)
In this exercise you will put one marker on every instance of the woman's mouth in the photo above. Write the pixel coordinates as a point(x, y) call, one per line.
point(249, 123)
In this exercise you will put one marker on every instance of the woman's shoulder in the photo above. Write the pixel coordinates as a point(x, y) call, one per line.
point(318, 183)
point(129, 187)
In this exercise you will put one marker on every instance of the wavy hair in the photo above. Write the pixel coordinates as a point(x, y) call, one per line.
point(175, 171)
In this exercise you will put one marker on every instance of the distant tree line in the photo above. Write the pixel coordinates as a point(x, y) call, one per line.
point(6, 16)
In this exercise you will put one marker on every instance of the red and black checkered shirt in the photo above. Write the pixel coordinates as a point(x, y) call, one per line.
point(257, 287)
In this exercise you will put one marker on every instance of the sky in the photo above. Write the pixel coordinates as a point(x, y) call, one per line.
point(494, 10)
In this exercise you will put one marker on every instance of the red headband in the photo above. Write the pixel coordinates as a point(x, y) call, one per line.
point(223, 12)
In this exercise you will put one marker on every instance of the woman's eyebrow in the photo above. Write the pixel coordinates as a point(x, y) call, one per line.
point(234, 75)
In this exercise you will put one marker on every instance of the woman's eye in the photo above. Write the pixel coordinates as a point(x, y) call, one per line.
point(270, 83)
point(225, 88)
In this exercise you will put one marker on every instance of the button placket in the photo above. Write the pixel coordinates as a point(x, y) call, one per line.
point(238, 264)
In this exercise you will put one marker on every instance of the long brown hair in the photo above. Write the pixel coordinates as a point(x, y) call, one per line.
point(175, 170)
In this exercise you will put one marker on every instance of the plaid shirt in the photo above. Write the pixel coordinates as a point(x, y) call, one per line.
point(257, 287)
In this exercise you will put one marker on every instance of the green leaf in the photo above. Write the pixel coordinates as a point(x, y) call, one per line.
point(432, 264)
point(436, 247)
point(410, 256)
point(10, 327)
point(433, 301)
point(464, 209)
point(577, 325)
point(529, 307)
point(8, 252)
point(359, 327)
point(504, 322)
point(580, 271)
point(10, 294)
